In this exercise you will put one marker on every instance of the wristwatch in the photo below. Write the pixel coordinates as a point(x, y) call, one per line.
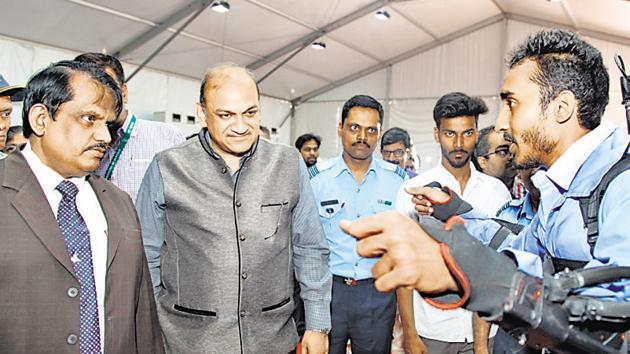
point(319, 330)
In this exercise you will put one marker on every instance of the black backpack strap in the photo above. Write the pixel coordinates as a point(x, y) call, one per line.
point(589, 206)
point(504, 231)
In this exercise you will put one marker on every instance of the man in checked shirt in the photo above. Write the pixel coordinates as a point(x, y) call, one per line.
point(134, 141)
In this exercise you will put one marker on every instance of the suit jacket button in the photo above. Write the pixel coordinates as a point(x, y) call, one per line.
point(242, 237)
point(244, 275)
point(224, 170)
point(72, 339)
point(243, 314)
point(238, 204)
point(73, 292)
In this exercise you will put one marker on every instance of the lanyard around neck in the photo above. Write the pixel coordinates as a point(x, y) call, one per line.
point(121, 146)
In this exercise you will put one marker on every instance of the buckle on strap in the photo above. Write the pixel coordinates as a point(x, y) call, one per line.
point(350, 281)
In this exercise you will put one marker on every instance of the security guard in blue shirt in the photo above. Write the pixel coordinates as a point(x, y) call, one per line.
point(350, 186)
point(522, 211)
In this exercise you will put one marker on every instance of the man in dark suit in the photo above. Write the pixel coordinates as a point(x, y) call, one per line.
point(74, 276)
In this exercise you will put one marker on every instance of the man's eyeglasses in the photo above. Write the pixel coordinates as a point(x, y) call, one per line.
point(501, 151)
point(397, 153)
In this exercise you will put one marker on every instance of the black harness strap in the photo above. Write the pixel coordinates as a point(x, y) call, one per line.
point(589, 207)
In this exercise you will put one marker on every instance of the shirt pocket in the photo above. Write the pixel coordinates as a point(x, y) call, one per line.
point(330, 213)
point(273, 218)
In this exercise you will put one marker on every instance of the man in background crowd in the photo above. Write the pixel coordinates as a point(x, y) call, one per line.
point(8, 93)
point(134, 141)
point(493, 156)
point(15, 139)
point(456, 115)
point(352, 185)
point(308, 145)
point(396, 147)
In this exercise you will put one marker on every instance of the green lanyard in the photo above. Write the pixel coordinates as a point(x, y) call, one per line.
point(121, 146)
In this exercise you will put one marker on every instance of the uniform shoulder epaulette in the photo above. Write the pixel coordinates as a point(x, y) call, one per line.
point(320, 167)
point(401, 172)
point(392, 167)
point(512, 203)
point(313, 171)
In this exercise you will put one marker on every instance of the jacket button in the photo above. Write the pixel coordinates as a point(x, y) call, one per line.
point(242, 237)
point(238, 204)
point(224, 170)
point(73, 292)
point(72, 339)
point(243, 314)
point(244, 275)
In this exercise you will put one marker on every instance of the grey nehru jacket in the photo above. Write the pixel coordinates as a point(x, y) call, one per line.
point(223, 248)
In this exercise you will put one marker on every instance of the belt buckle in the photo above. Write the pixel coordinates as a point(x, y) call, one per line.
point(350, 281)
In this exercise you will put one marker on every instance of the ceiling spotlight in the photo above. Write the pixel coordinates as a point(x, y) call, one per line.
point(220, 6)
point(318, 45)
point(382, 15)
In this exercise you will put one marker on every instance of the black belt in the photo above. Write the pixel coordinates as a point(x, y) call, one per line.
point(352, 281)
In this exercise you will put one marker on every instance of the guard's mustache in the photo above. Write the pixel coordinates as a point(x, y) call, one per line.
point(361, 142)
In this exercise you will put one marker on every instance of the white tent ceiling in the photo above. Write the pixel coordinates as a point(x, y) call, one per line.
point(261, 34)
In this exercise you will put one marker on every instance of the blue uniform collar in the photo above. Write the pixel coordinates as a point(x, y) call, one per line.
point(598, 161)
point(340, 166)
point(526, 210)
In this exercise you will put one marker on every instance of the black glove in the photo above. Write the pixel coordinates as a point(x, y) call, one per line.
point(453, 206)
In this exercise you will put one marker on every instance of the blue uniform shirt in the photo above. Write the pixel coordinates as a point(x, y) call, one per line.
point(340, 196)
point(517, 211)
point(558, 230)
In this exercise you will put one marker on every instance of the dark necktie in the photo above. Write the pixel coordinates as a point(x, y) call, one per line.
point(77, 237)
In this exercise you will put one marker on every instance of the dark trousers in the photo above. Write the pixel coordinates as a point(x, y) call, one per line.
point(362, 314)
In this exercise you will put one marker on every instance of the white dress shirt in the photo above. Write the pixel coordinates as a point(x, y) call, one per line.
point(90, 209)
point(483, 192)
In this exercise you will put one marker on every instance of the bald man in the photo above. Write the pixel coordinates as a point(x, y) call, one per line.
point(242, 221)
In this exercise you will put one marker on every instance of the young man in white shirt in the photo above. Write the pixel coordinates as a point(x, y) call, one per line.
point(452, 331)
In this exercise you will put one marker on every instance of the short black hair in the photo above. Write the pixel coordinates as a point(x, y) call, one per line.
point(14, 130)
point(566, 62)
point(458, 104)
point(302, 139)
point(51, 87)
point(396, 135)
point(104, 61)
point(483, 145)
point(362, 101)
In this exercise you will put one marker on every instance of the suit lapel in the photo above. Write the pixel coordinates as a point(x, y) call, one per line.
point(109, 207)
point(31, 203)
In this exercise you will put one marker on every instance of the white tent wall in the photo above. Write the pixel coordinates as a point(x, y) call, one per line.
point(474, 64)
point(150, 90)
